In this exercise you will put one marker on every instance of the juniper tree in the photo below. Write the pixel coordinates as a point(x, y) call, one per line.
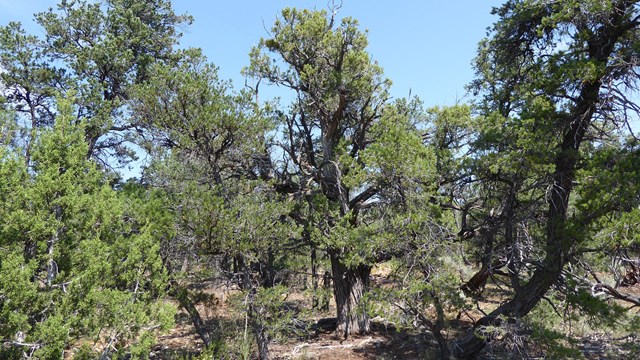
point(99, 49)
point(208, 142)
point(555, 81)
point(78, 263)
point(343, 150)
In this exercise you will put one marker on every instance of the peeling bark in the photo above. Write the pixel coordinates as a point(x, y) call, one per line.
point(350, 285)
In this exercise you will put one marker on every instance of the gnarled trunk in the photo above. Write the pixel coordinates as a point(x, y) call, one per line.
point(558, 243)
point(560, 237)
point(259, 331)
point(182, 295)
point(263, 343)
point(349, 287)
point(524, 301)
point(476, 284)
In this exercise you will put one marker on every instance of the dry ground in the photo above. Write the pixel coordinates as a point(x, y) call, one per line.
point(384, 342)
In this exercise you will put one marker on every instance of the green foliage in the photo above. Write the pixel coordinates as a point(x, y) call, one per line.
point(364, 181)
point(188, 107)
point(538, 172)
point(74, 268)
point(549, 176)
point(397, 151)
point(582, 316)
point(608, 194)
point(598, 312)
point(100, 49)
point(301, 34)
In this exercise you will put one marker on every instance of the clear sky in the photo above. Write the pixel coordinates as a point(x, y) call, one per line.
point(423, 45)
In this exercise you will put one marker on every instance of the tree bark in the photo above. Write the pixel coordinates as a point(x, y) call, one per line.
point(187, 304)
point(326, 285)
point(262, 339)
point(559, 238)
point(349, 287)
point(558, 242)
point(349, 283)
point(258, 328)
point(182, 295)
point(267, 271)
point(315, 301)
point(524, 301)
point(476, 284)
point(263, 345)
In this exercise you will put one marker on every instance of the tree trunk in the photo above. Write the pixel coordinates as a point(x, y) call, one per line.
point(326, 285)
point(559, 238)
point(182, 295)
point(262, 339)
point(315, 301)
point(187, 304)
point(258, 327)
point(445, 352)
point(349, 287)
point(239, 272)
point(254, 318)
point(476, 284)
point(473, 342)
point(267, 271)
point(52, 266)
point(558, 244)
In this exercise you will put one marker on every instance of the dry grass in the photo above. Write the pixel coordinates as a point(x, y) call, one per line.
point(384, 342)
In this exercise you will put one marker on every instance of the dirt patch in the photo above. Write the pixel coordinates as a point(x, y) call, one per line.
point(384, 342)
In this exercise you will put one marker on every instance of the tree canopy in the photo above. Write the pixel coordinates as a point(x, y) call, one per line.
point(479, 225)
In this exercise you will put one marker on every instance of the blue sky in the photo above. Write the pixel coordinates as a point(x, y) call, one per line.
point(423, 45)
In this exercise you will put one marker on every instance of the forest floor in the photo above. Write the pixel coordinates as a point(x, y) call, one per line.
point(384, 342)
